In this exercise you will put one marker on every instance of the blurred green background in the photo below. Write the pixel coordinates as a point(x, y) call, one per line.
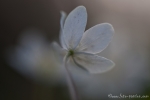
point(28, 65)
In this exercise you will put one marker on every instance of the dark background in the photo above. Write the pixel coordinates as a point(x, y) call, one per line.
point(131, 21)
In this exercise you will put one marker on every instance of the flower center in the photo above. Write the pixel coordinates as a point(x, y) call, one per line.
point(70, 53)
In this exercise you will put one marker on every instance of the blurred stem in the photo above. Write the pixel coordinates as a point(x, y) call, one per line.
point(71, 84)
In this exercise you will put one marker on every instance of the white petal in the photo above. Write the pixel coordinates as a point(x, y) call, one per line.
point(96, 39)
point(93, 63)
point(62, 20)
point(74, 26)
point(59, 51)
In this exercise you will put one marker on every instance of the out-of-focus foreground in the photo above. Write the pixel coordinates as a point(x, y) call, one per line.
point(31, 69)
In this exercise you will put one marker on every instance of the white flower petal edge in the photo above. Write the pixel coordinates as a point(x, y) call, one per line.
point(61, 52)
point(62, 20)
point(96, 39)
point(74, 27)
point(93, 63)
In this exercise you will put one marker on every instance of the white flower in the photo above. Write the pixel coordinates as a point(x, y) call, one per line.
point(82, 47)
point(35, 58)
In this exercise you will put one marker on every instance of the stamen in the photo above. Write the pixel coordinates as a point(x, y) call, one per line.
point(70, 53)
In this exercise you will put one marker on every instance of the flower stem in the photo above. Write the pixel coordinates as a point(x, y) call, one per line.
point(71, 84)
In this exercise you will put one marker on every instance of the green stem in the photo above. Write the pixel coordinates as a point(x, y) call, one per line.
point(71, 84)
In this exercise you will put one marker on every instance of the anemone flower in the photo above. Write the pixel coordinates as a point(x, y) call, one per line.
point(82, 47)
